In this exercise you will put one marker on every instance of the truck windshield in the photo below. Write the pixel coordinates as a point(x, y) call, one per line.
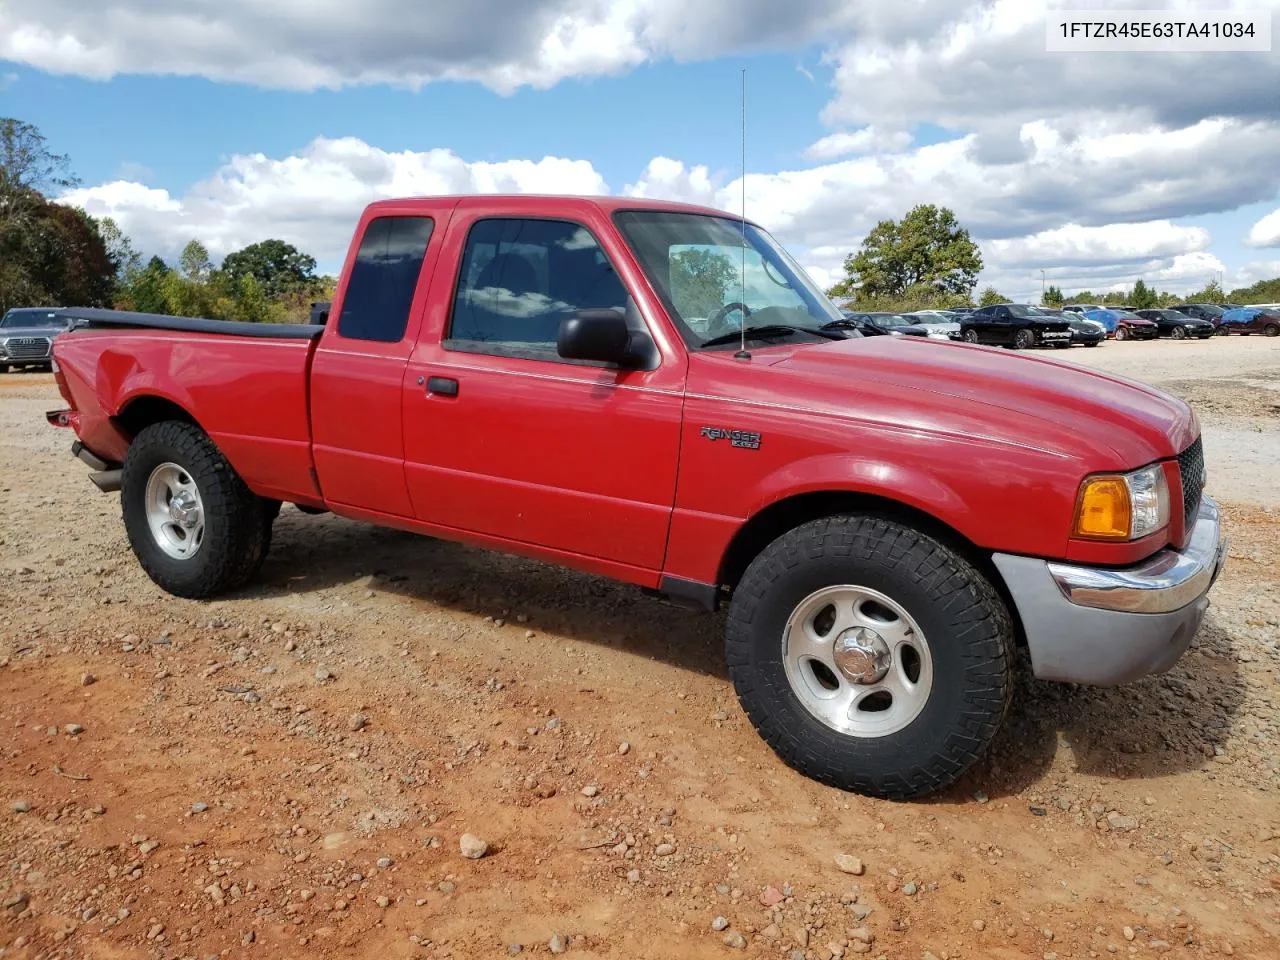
point(712, 283)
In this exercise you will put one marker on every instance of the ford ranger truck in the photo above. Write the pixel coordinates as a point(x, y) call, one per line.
point(657, 393)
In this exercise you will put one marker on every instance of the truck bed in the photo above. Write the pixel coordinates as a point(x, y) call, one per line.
point(245, 384)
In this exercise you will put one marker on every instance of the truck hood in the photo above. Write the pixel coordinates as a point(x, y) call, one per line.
point(922, 384)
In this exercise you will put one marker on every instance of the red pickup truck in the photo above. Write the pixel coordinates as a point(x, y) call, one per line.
point(657, 393)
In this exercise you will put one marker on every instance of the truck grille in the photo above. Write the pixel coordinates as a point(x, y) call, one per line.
point(28, 348)
point(1191, 468)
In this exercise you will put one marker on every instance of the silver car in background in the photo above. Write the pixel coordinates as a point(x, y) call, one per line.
point(26, 337)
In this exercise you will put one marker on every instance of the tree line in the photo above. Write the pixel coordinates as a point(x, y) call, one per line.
point(52, 254)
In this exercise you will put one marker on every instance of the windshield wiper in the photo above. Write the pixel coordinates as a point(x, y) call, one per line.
point(766, 330)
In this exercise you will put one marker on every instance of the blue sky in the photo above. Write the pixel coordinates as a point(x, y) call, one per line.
point(243, 121)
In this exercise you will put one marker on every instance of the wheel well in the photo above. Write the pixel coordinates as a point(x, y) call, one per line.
point(776, 519)
point(142, 412)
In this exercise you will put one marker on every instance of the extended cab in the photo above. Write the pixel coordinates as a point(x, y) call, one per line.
point(656, 393)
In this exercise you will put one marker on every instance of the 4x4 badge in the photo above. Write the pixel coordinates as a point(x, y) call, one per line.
point(737, 438)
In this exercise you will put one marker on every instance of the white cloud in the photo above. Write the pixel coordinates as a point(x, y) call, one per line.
point(1117, 243)
point(1016, 210)
point(866, 140)
point(981, 64)
point(1266, 232)
point(313, 199)
point(309, 44)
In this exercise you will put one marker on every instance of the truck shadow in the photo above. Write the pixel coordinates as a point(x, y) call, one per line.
point(1148, 730)
point(311, 554)
point(1151, 729)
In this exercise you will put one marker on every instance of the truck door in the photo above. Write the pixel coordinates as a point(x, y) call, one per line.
point(506, 439)
point(358, 370)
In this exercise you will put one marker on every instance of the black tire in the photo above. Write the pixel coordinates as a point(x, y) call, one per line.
point(1122, 333)
point(1272, 330)
point(1092, 343)
point(970, 644)
point(971, 336)
point(1179, 333)
point(1061, 346)
point(237, 524)
point(4, 368)
point(1024, 339)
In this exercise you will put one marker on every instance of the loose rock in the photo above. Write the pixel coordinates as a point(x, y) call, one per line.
point(472, 847)
point(735, 941)
point(850, 864)
point(719, 923)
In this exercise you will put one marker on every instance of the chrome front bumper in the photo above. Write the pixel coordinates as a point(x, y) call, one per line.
point(1105, 626)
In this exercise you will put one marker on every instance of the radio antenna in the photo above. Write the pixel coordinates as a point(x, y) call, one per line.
point(742, 353)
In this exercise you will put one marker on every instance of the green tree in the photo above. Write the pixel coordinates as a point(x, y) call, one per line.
point(53, 255)
point(28, 168)
point(194, 262)
point(928, 247)
point(120, 249)
point(1053, 297)
point(144, 290)
point(1212, 293)
point(700, 281)
point(991, 296)
point(1142, 297)
point(1264, 291)
point(279, 267)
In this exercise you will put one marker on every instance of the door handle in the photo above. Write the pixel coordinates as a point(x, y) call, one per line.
point(442, 386)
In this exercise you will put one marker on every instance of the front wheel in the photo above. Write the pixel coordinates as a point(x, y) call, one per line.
point(971, 336)
point(1272, 330)
point(1122, 333)
point(1179, 333)
point(870, 657)
point(1024, 340)
point(195, 527)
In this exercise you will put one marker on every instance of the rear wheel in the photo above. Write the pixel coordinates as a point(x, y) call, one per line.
point(194, 526)
point(1024, 340)
point(1179, 333)
point(869, 656)
point(1272, 330)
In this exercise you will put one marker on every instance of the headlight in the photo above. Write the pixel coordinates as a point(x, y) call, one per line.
point(4, 348)
point(1126, 506)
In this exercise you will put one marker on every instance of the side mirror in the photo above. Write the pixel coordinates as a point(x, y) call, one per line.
point(601, 335)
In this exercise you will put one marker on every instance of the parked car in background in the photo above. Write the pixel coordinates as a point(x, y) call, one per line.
point(1124, 324)
point(939, 324)
point(1203, 311)
point(1087, 333)
point(1247, 320)
point(1179, 326)
point(26, 337)
point(1081, 308)
point(878, 324)
point(1017, 325)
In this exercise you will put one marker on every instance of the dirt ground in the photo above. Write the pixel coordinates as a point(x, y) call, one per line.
point(287, 773)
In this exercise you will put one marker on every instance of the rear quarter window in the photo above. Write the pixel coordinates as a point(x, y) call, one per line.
point(383, 279)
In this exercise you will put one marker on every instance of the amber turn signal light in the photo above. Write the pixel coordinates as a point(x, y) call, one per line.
point(1104, 511)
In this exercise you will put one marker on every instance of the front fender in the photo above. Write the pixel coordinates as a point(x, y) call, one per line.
point(911, 485)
